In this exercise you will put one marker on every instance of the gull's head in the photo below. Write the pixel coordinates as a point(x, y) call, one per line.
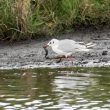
point(52, 43)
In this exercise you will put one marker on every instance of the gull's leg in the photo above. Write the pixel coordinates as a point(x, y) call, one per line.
point(71, 58)
point(64, 57)
point(57, 57)
point(60, 58)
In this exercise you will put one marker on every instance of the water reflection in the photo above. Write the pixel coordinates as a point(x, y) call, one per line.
point(44, 89)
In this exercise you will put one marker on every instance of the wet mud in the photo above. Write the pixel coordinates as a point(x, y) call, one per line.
point(31, 54)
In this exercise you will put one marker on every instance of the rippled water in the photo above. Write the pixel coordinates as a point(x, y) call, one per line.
point(55, 89)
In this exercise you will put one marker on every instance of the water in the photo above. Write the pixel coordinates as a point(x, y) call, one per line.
point(55, 89)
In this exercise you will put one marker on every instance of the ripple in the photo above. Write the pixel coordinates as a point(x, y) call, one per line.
point(33, 102)
point(15, 99)
point(34, 88)
point(4, 104)
point(43, 96)
point(10, 108)
point(17, 106)
point(106, 105)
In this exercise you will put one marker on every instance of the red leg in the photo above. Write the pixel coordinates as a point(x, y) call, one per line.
point(60, 58)
point(57, 57)
point(71, 58)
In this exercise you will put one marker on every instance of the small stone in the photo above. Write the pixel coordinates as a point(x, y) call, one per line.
point(104, 52)
point(98, 36)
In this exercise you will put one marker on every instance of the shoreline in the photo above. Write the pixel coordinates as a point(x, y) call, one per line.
point(30, 54)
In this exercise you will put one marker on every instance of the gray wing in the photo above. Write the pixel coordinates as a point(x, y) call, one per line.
point(69, 45)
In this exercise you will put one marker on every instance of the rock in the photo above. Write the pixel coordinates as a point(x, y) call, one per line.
point(104, 52)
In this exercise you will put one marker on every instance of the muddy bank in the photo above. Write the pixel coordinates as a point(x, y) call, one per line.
point(30, 54)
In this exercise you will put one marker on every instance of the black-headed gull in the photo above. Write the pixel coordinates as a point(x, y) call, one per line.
point(67, 47)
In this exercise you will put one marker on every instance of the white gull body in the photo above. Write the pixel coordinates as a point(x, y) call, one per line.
point(67, 47)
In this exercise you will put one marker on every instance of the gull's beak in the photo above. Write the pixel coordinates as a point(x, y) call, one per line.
point(45, 45)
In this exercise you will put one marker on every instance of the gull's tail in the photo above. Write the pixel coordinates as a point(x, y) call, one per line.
point(90, 45)
point(86, 47)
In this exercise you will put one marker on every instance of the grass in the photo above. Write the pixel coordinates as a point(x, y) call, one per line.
point(23, 19)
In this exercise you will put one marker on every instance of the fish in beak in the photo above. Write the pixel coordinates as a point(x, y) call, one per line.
point(46, 50)
point(45, 45)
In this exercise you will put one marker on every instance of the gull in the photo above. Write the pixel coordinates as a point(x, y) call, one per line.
point(67, 47)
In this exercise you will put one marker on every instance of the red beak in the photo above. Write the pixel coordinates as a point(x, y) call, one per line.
point(45, 46)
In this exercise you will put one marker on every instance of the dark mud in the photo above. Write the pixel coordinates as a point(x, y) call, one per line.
point(30, 54)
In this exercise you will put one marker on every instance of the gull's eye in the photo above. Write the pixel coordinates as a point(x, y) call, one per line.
point(50, 43)
point(53, 42)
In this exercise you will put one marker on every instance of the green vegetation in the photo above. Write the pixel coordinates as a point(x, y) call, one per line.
point(22, 19)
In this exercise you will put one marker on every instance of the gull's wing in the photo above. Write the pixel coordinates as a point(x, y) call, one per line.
point(70, 45)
